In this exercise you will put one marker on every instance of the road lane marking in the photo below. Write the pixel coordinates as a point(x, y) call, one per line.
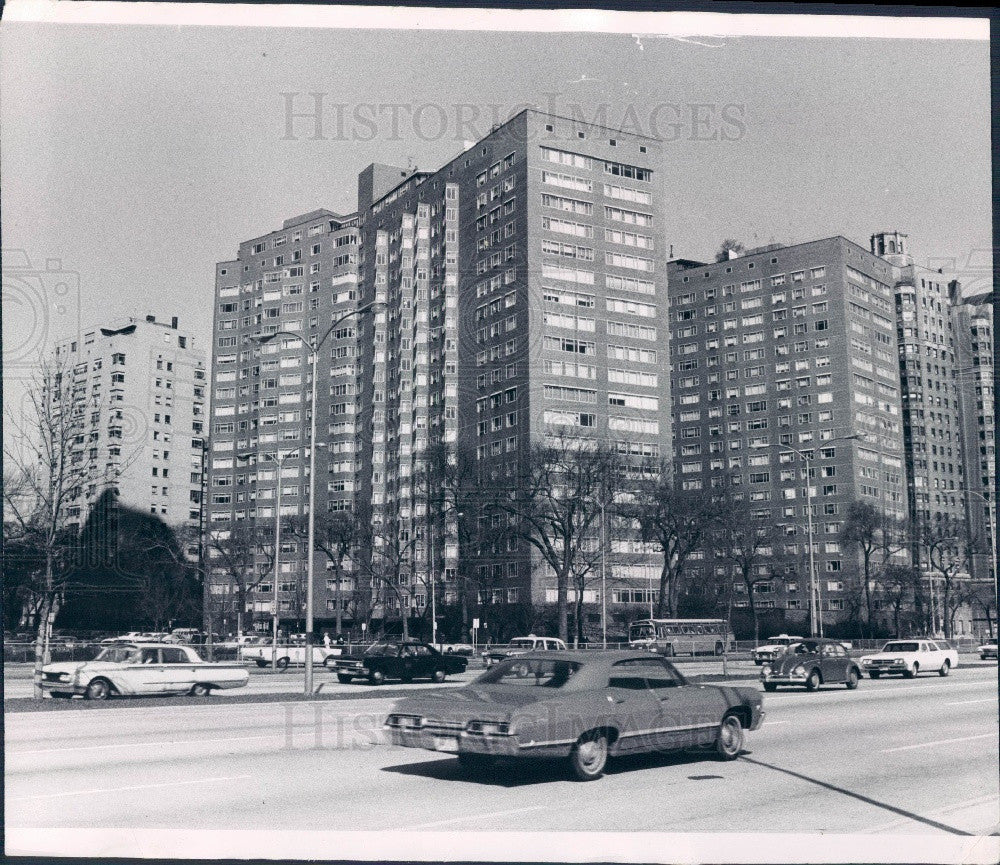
point(969, 702)
point(134, 787)
point(138, 744)
point(487, 815)
point(938, 742)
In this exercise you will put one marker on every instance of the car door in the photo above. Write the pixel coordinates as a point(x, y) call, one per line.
point(146, 675)
point(424, 661)
point(830, 664)
point(178, 671)
point(689, 714)
point(633, 707)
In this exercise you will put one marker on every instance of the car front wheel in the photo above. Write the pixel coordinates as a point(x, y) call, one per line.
point(200, 690)
point(852, 679)
point(813, 682)
point(344, 680)
point(438, 676)
point(873, 675)
point(912, 672)
point(99, 689)
point(261, 663)
point(282, 663)
point(729, 742)
point(945, 668)
point(770, 686)
point(377, 677)
point(590, 755)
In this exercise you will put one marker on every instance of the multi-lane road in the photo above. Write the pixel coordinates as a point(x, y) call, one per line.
point(894, 758)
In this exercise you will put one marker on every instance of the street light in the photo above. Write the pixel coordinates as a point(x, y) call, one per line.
point(279, 460)
point(314, 356)
point(815, 618)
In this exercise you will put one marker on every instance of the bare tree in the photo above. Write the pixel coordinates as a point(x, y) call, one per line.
point(947, 554)
point(747, 542)
point(730, 248)
point(877, 538)
point(556, 505)
point(337, 536)
point(678, 522)
point(243, 554)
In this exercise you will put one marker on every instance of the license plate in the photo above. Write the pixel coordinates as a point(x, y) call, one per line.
point(445, 743)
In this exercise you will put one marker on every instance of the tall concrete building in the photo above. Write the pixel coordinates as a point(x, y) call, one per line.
point(138, 397)
point(972, 319)
point(777, 355)
point(292, 284)
point(525, 285)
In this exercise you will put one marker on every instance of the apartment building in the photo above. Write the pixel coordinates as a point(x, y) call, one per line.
point(288, 287)
point(137, 391)
point(525, 292)
point(778, 355)
point(972, 319)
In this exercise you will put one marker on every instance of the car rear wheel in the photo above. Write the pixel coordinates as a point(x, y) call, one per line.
point(945, 668)
point(344, 680)
point(912, 672)
point(852, 679)
point(729, 742)
point(873, 675)
point(261, 663)
point(719, 648)
point(759, 663)
point(590, 755)
point(668, 650)
point(376, 677)
point(813, 682)
point(770, 686)
point(438, 676)
point(200, 690)
point(282, 663)
point(98, 689)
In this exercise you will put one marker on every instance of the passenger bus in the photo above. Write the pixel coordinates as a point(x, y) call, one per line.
point(682, 636)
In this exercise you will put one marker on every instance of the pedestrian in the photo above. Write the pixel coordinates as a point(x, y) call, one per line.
point(326, 639)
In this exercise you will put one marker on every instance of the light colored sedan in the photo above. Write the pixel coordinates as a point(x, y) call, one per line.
point(988, 650)
point(141, 669)
point(910, 657)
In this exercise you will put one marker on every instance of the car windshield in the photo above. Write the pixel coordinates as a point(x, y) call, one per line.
point(119, 655)
point(390, 649)
point(522, 644)
point(641, 632)
point(533, 672)
point(899, 647)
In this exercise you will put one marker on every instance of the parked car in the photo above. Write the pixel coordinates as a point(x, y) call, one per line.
point(773, 647)
point(910, 657)
point(520, 646)
point(810, 663)
point(464, 649)
point(988, 650)
point(580, 706)
point(132, 669)
point(404, 660)
point(262, 653)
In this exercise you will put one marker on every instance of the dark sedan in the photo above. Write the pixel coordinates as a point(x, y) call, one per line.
point(404, 660)
point(810, 663)
point(580, 706)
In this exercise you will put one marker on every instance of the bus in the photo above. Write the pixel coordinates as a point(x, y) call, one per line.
point(682, 636)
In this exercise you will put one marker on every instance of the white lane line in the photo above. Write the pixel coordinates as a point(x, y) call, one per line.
point(488, 815)
point(139, 744)
point(939, 742)
point(970, 702)
point(134, 787)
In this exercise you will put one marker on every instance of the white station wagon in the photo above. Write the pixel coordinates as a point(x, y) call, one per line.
point(910, 657)
point(141, 669)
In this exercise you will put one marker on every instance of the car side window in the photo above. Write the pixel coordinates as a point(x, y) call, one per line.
point(423, 651)
point(174, 656)
point(840, 651)
point(630, 680)
point(150, 656)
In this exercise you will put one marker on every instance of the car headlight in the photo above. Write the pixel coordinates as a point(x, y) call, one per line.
point(898, 661)
point(488, 728)
point(405, 722)
point(64, 677)
point(799, 670)
point(766, 670)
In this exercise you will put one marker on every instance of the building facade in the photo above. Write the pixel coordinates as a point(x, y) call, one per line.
point(138, 401)
point(289, 286)
point(525, 286)
point(785, 383)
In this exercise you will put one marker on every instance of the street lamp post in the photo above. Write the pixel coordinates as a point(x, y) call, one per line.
point(314, 356)
point(815, 614)
point(279, 460)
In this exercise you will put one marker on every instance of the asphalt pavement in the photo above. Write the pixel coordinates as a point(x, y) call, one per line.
point(894, 758)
